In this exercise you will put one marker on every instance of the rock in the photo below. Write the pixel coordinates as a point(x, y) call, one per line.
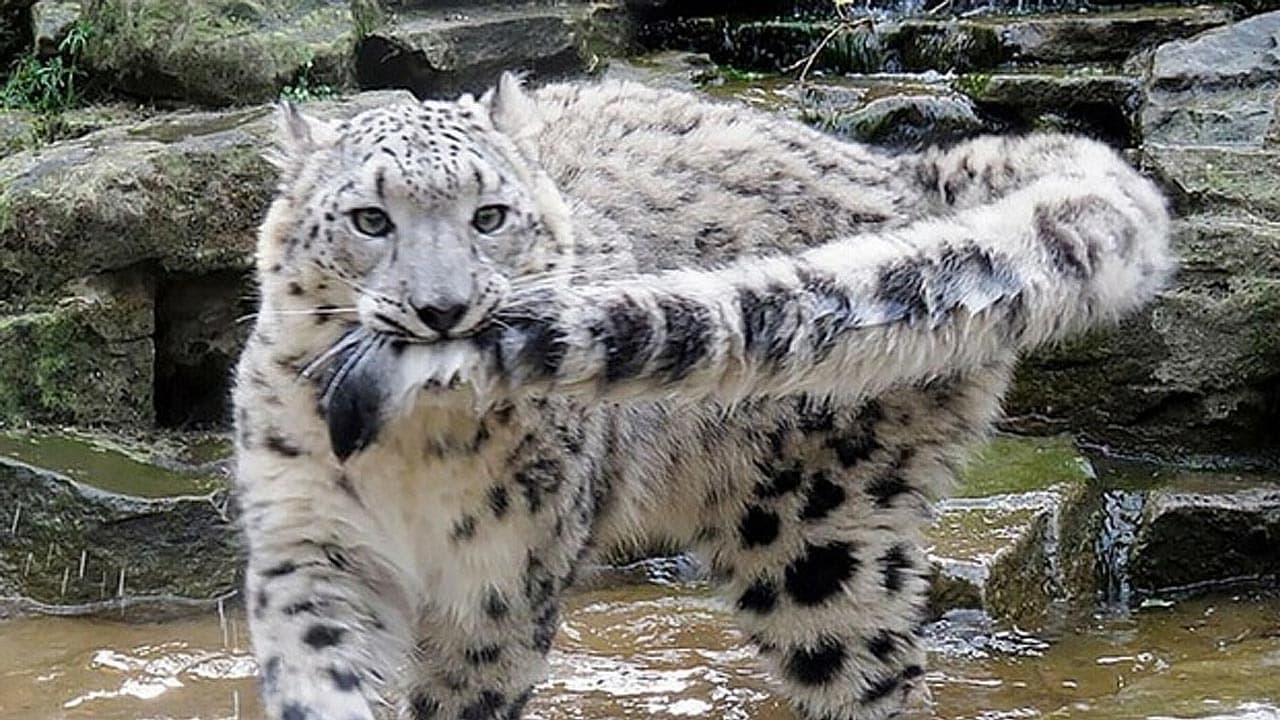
point(1151, 386)
point(16, 127)
point(1200, 531)
point(184, 191)
point(87, 361)
point(772, 45)
point(1209, 178)
point(893, 111)
point(945, 46)
point(1019, 541)
point(921, 44)
point(1219, 88)
point(70, 548)
point(675, 70)
point(441, 55)
point(1100, 37)
point(1197, 374)
point(51, 20)
point(1103, 106)
point(218, 52)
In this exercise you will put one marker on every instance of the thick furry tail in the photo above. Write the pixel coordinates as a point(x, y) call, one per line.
point(857, 316)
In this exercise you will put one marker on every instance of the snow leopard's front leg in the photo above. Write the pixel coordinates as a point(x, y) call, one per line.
point(326, 631)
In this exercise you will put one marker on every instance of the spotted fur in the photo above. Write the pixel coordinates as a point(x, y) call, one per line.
point(699, 325)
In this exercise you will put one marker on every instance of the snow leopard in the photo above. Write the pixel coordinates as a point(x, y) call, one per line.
point(501, 337)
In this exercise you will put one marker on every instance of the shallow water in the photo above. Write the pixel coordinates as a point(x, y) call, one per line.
point(113, 467)
point(669, 653)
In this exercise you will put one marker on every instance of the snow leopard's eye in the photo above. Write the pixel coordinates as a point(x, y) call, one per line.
point(372, 222)
point(490, 218)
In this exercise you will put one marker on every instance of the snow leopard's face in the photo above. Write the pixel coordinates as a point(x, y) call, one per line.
point(423, 215)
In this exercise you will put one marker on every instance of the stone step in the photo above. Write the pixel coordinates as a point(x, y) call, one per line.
point(1182, 532)
point(215, 53)
point(442, 54)
point(942, 45)
point(825, 9)
point(1201, 178)
point(913, 110)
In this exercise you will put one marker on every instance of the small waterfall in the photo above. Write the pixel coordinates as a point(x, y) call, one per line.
point(1121, 512)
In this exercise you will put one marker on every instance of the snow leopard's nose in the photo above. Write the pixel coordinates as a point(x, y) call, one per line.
point(440, 318)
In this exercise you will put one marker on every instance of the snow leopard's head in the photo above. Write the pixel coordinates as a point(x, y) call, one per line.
point(415, 218)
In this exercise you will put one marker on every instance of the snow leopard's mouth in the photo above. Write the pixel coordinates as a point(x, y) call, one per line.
point(350, 396)
point(366, 372)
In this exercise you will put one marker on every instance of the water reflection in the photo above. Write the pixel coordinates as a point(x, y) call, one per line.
point(669, 653)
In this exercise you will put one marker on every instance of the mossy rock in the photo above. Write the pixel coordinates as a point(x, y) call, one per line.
point(1018, 540)
point(86, 361)
point(219, 52)
point(16, 128)
point(1102, 106)
point(51, 20)
point(776, 45)
point(69, 547)
point(1193, 377)
point(946, 46)
point(180, 192)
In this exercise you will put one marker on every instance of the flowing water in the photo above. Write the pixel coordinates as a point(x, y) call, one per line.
point(669, 653)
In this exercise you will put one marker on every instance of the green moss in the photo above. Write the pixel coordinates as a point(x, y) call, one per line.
point(972, 84)
point(1260, 299)
point(788, 44)
point(855, 50)
point(55, 367)
point(48, 87)
point(1009, 464)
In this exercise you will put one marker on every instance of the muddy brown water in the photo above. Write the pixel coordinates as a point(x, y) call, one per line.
point(670, 653)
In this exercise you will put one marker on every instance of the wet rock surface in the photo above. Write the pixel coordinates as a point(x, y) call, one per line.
point(1194, 531)
point(72, 548)
point(1018, 542)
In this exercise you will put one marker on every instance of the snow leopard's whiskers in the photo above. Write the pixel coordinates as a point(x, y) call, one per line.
point(315, 312)
point(349, 339)
point(367, 343)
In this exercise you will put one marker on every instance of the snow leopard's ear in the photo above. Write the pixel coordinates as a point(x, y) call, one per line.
point(511, 109)
point(298, 135)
